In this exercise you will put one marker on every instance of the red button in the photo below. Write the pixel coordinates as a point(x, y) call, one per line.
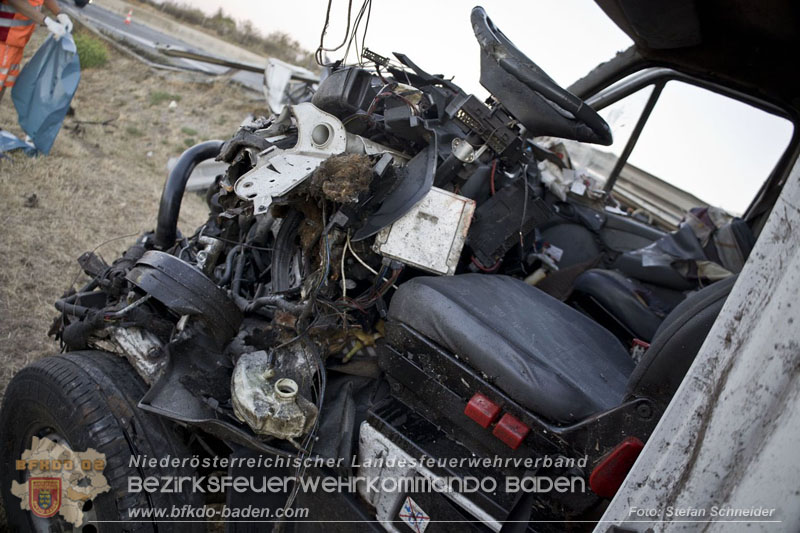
point(511, 431)
point(608, 475)
point(482, 410)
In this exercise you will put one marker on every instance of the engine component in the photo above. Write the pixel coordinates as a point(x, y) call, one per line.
point(319, 136)
point(500, 220)
point(464, 152)
point(402, 122)
point(491, 125)
point(141, 348)
point(345, 91)
point(269, 405)
point(207, 257)
point(172, 195)
point(431, 235)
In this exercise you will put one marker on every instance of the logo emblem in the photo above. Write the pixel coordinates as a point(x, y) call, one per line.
point(58, 480)
point(45, 495)
point(413, 515)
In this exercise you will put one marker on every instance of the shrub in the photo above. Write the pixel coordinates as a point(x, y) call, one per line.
point(92, 52)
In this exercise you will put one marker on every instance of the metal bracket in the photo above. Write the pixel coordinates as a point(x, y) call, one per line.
point(319, 136)
point(464, 152)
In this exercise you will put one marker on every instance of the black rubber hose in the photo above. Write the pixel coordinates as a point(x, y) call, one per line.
point(238, 272)
point(171, 197)
point(274, 300)
point(79, 311)
point(227, 274)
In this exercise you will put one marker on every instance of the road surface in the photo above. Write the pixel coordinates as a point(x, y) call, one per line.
point(147, 38)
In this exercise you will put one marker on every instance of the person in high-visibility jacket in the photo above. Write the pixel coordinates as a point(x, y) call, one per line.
point(18, 19)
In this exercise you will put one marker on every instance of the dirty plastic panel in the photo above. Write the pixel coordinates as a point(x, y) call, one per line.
point(431, 235)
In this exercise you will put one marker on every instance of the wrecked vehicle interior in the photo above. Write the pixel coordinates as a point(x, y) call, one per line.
point(394, 268)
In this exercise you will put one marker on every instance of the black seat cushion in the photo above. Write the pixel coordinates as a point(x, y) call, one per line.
point(636, 307)
point(676, 343)
point(547, 356)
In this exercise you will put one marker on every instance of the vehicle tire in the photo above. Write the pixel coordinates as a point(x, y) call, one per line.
point(87, 400)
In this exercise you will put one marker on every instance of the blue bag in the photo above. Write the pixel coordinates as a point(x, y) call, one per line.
point(10, 142)
point(45, 88)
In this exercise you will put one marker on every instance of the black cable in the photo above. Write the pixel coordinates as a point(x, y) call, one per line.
point(353, 41)
point(321, 48)
point(244, 245)
point(522, 220)
point(79, 311)
point(366, 28)
point(274, 301)
point(308, 443)
point(228, 272)
point(236, 283)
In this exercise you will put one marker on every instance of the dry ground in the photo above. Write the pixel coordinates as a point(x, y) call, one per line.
point(100, 182)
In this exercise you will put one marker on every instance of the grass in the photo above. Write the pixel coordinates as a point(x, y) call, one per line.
point(99, 188)
point(189, 142)
point(92, 52)
point(97, 184)
point(188, 131)
point(159, 97)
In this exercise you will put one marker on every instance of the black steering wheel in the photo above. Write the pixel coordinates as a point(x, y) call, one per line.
point(531, 96)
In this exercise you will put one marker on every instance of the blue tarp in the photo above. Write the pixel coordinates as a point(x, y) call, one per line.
point(9, 142)
point(45, 88)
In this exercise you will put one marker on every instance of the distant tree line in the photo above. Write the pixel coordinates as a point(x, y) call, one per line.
point(276, 44)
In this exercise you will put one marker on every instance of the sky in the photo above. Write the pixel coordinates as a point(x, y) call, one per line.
point(717, 149)
point(567, 38)
point(720, 150)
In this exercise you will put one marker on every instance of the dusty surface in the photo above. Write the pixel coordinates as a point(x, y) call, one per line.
point(101, 182)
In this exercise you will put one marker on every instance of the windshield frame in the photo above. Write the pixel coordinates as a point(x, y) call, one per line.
point(658, 77)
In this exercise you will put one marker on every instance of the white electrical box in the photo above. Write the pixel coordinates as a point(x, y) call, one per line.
point(431, 235)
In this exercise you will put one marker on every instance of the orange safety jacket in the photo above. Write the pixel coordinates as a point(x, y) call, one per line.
point(16, 29)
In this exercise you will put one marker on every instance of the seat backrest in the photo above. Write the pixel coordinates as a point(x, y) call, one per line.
point(731, 245)
point(676, 343)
